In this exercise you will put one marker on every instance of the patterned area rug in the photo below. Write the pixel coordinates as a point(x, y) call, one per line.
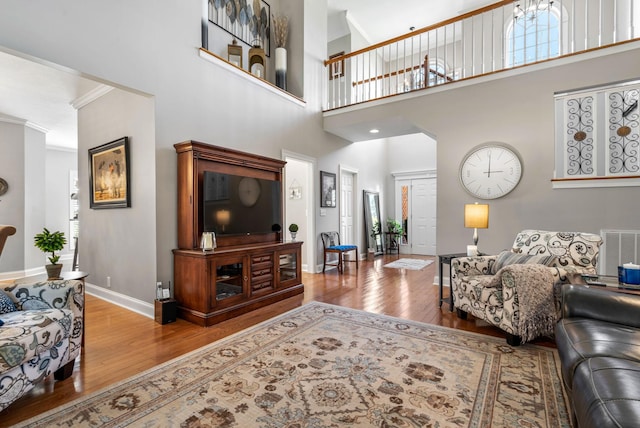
point(411, 264)
point(327, 366)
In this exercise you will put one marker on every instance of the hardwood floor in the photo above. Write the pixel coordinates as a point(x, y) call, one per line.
point(120, 343)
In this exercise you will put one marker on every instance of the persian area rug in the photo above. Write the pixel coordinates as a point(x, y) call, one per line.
point(411, 264)
point(326, 366)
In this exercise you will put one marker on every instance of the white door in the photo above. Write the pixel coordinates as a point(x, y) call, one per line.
point(423, 203)
point(347, 201)
point(416, 201)
point(299, 202)
point(419, 217)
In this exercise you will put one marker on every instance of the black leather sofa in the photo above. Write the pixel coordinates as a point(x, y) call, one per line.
point(598, 340)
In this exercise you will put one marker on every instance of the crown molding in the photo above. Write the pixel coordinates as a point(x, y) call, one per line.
point(37, 127)
point(91, 96)
point(22, 122)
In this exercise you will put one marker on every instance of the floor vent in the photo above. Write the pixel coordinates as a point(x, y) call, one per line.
point(618, 247)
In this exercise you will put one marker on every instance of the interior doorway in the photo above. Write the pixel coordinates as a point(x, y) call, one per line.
point(415, 206)
point(299, 204)
point(348, 205)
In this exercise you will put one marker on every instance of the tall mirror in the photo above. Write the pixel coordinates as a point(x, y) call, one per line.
point(372, 221)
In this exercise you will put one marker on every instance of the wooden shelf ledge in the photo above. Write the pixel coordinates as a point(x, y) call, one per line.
point(221, 62)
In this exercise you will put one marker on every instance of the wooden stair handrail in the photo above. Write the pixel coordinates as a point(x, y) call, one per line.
point(425, 65)
point(419, 31)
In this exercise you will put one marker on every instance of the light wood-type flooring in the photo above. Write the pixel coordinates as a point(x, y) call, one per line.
point(120, 343)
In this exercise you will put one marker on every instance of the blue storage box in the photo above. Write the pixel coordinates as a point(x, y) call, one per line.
point(629, 273)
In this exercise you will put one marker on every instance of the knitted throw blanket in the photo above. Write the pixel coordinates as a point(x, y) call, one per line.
point(529, 290)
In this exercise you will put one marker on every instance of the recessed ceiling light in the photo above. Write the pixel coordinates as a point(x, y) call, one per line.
point(374, 131)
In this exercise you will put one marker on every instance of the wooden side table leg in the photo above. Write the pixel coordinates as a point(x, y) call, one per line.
point(440, 280)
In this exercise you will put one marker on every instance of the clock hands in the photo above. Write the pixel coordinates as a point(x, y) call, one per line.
point(489, 171)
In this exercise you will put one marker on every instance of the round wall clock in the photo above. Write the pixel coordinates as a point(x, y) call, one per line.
point(490, 171)
point(249, 191)
point(4, 186)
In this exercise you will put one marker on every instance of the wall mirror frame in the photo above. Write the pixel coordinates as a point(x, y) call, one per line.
point(371, 217)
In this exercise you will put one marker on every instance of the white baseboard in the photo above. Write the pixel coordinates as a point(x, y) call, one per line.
point(445, 281)
point(127, 302)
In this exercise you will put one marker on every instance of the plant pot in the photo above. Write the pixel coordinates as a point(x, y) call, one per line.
point(293, 235)
point(53, 271)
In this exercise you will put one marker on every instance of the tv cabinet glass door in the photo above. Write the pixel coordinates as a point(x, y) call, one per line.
point(230, 280)
point(288, 267)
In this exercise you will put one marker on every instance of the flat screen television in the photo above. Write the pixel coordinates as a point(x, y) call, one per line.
point(240, 205)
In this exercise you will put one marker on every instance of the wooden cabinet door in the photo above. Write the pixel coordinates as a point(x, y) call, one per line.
point(288, 267)
point(229, 281)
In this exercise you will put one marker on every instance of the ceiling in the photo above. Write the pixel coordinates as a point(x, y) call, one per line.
point(42, 96)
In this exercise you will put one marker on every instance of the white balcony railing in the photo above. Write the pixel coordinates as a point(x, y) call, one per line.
point(505, 35)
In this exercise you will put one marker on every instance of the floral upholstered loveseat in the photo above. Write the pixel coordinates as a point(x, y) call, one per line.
point(518, 289)
point(40, 333)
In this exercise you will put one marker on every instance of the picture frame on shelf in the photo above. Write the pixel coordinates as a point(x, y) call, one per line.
point(234, 53)
point(327, 189)
point(109, 175)
point(241, 21)
point(336, 69)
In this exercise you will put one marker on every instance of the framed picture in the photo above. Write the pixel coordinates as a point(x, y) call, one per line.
point(241, 20)
point(336, 69)
point(327, 189)
point(109, 179)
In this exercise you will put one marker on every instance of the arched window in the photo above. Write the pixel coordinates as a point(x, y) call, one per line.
point(533, 35)
point(437, 72)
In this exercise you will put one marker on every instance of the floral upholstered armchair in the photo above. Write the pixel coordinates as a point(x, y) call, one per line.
point(517, 289)
point(41, 331)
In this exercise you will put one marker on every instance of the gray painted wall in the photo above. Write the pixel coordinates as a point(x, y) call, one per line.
point(407, 153)
point(120, 243)
point(23, 166)
point(153, 48)
point(194, 99)
point(516, 108)
point(12, 160)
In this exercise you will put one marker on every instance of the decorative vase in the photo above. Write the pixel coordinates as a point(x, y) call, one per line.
point(53, 271)
point(293, 235)
point(281, 68)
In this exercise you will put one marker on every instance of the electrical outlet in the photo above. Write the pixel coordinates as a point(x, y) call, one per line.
point(108, 282)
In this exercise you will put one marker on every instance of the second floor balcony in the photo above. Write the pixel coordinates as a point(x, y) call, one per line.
point(503, 36)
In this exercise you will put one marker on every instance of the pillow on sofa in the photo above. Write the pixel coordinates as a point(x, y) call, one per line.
point(506, 258)
point(6, 304)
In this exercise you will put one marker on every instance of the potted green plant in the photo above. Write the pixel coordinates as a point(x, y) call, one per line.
point(394, 227)
point(50, 242)
point(293, 229)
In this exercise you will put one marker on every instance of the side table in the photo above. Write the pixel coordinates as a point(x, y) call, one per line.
point(445, 259)
point(610, 283)
point(392, 242)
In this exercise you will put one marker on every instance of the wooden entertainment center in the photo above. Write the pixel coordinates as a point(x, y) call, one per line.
point(245, 271)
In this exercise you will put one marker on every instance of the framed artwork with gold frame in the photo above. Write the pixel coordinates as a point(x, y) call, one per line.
point(109, 175)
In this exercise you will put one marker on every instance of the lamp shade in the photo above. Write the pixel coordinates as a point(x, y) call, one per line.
point(223, 217)
point(476, 216)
